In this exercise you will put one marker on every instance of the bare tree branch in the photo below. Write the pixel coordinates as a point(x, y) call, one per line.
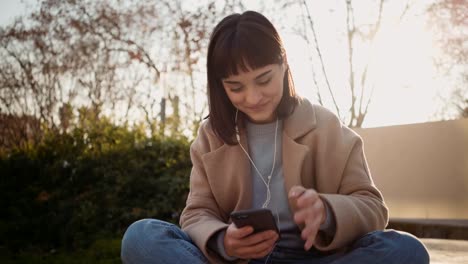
point(375, 29)
point(350, 34)
point(311, 23)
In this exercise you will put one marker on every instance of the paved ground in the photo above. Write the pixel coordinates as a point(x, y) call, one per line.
point(446, 251)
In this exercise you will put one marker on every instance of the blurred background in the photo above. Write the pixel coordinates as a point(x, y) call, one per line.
point(99, 101)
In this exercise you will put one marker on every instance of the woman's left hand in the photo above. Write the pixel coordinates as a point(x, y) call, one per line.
point(310, 212)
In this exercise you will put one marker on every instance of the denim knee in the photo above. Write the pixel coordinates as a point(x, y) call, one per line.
point(406, 247)
point(139, 238)
point(132, 240)
point(415, 247)
point(152, 240)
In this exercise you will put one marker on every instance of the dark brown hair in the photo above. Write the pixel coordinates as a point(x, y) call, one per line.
point(239, 42)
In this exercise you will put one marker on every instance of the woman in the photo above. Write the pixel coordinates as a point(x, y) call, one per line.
point(264, 147)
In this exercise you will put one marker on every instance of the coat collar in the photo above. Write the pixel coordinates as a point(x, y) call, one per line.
point(301, 121)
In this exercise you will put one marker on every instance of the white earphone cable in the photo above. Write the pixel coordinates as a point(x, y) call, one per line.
point(267, 184)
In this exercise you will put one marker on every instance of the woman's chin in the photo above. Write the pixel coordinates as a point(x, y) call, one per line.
point(261, 119)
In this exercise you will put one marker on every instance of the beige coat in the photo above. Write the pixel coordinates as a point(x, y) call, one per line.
point(318, 152)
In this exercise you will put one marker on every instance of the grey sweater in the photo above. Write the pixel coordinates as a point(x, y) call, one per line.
point(261, 138)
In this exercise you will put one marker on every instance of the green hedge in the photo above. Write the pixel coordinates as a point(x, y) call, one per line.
point(102, 251)
point(76, 188)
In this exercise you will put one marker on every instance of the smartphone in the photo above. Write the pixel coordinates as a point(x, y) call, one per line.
point(260, 219)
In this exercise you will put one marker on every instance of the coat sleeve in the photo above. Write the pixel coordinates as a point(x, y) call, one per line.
point(357, 205)
point(201, 217)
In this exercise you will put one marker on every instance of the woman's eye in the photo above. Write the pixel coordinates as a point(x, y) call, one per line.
point(262, 83)
point(236, 89)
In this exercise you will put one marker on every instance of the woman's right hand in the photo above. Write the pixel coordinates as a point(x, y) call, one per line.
point(241, 243)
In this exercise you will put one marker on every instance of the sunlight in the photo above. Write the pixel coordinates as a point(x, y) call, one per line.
point(404, 75)
point(401, 70)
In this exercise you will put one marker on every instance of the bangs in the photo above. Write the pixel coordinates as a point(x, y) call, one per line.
point(243, 48)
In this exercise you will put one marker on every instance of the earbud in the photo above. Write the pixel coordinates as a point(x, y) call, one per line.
point(237, 129)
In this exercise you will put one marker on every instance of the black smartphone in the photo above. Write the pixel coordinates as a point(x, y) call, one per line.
point(260, 219)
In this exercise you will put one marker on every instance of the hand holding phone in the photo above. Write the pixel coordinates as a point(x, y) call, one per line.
point(254, 239)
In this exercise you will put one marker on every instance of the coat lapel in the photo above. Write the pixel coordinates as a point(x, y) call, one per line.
point(228, 173)
point(301, 122)
point(293, 159)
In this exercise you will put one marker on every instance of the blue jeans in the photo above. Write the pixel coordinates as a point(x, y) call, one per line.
point(155, 241)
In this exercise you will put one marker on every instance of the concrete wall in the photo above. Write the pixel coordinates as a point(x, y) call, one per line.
point(422, 169)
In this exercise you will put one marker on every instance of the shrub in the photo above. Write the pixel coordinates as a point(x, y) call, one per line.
point(75, 188)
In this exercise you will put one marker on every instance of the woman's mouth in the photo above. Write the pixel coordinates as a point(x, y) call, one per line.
point(257, 108)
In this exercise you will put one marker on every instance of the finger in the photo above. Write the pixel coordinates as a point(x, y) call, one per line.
point(309, 197)
point(259, 237)
point(310, 230)
point(309, 243)
point(303, 215)
point(255, 251)
point(239, 233)
point(314, 211)
point(319, 210)
point(244, 250)
point(296, 191)
point(309, 233)
point(263, 253)
point(233, 238)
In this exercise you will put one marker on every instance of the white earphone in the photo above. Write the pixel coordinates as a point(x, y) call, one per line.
point(267, 184)
point(268, 180)
point(237, 129)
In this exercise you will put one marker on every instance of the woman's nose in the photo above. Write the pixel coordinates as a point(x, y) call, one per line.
point(253, 97)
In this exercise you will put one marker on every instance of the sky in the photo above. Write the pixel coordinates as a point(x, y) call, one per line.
point(12, 8)
point(407, 85)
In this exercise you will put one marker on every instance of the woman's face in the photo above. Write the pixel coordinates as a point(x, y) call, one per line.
point(257, 92)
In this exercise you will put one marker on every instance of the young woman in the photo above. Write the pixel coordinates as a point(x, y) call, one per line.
point(265, 147)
